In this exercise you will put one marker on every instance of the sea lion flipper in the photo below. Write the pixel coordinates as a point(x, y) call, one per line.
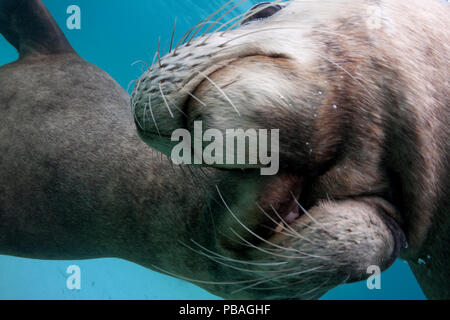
point(30, 28)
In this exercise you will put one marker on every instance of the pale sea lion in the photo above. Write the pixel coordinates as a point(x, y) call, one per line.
point(364, 148)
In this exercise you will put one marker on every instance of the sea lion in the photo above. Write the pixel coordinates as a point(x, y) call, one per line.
point(357, 179)
point(359, 92)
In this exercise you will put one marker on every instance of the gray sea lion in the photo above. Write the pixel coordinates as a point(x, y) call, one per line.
point(364, 151)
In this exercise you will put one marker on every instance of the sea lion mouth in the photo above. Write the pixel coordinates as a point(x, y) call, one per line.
point(284, 202)
point(280, 204)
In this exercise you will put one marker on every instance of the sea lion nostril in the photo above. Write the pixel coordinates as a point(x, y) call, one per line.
point(261, 11)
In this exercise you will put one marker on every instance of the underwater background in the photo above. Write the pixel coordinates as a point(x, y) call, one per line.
point(113, 35)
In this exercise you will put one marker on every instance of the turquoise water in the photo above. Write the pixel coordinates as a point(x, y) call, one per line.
point(113, 35)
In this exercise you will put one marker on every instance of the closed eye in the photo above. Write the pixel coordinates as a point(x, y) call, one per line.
point(261, 11)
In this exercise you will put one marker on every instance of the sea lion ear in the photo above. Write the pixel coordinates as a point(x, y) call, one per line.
point(30, 28)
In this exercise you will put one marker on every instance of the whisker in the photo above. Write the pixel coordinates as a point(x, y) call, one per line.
point(151, 112)
point(129, 85)
point(165, 101)
point(256, 235)
point(213, 23)
point(223, 26)
point(264, 264)
point(234, 267)
point(314, 290)
point(306, 212)
point(140, 61)
point(289, 285)
point(348, 73)
point(233, 47)
point(288, 226)
point(175, 106)
point(188, 35)
point(208, 18)
point(220, 90)
point(224, 15)
point(293, 234)
point(277, 278)
point(258, 31)
point(159, 52)
point(202, 281)
point(191, 95)
point(237, 241)
point(248, 229)
point(154, 58)
point(173, 34)
point(264, 250)
point(144, 114)
point(287, 233)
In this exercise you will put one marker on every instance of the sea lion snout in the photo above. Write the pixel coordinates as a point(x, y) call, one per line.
point(234, 81)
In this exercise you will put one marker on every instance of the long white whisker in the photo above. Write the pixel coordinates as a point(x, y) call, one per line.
point(290, 284)
point(213, 23)
point(224, 15)
point(220, 90)
point(257, 31)
point(314, 290)
point(256, 235)
point(129, 85)
point(347, 72)
point(294, 234)
point(306, 212)
point(247, 228)
point(288, 226)
point(187, 34)
point(269, 264)
point(264, 250)
point(153, 116)
point(159, 52)
point(277, 278)
point(165, 101)
point(234, 267)
point(202, 281)
point(173, 34)
point(191, 95)
point(141, 61)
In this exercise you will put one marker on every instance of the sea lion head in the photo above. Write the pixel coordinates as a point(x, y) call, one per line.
point(312, 71)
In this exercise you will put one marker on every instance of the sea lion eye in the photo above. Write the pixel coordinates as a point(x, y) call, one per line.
point(261, 11)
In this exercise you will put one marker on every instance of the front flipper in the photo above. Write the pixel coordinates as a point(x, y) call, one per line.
point(30, 28)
